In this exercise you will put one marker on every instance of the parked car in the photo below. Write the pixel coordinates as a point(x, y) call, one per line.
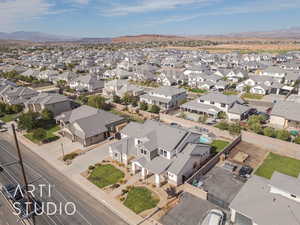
point(245, 171)
point(214, 217)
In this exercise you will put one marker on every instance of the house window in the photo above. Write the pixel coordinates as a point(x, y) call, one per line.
point(163, 153)
point(212, 103)
point(144, 152)
point(201, 100)
point(294, 196)
point(223, 105)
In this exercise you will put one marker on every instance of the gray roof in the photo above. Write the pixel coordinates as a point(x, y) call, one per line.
point(221, 98)
point(157, 165)
point(94, 124)
point(47, 98)
point(167, 137)
point(286, 183)
point(287, 109)
point(189, 151)
point(168, 91)
point(239, 109)
point(256, 202)
point(78, 113)
point(200, 107)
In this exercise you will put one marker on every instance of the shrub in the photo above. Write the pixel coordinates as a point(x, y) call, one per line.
point(256, 127)
point(297, 140)
point(222, 115)
point(283, 135)
point(122, 199)
point(124, 191)
point(268, 131)
point(143, 106)
point(70, 156)
point(39, 134)
point(154, 109)
point(222, 125)
point(91, 167)
point(234, 129)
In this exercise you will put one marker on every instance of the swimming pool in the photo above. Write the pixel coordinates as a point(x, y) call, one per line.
point(204, 140)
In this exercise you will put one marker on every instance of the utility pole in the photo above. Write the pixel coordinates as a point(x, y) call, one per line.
point(22, 167)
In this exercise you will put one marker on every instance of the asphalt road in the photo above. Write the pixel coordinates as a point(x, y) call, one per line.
point(88, 210)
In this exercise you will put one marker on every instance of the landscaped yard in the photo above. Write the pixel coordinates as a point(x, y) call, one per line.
point(130, 117)
point(140, 199)
point(105, 175)
point(230, 92)
point(9, 117)
point(50, 136)
point(218, 145)
point(252, 96)
point(282, 164)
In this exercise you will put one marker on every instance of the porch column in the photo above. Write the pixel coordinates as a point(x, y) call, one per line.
point(143, 173)
point(277, 91)
point(157, 180)
point(232, 217)
point(133, 168)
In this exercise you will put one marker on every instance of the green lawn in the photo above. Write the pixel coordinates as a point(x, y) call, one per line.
point(105, 175)
point(282, 164)
point(130, 117)
point(230, 92)
point(9, 117)
point(198, 91)
point(140, 199)
point(252, 96)
point(50, 135)
point(218, 145)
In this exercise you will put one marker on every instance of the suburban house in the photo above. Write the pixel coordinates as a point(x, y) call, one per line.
point(213, 103)
point(88, 83)
point(286, 114)
point(16, 95)
point(262, 85)
point(56, 103)
point(120, 87)
point(88, 125)
point(165, 97)
point(264, 202)
point(167, 152)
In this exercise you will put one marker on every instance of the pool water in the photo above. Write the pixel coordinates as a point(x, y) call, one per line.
point(204, 140)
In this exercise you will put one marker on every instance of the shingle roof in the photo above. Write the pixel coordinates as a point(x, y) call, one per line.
point(287, 109)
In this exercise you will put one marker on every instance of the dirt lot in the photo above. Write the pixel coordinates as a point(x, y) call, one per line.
point(256, 154)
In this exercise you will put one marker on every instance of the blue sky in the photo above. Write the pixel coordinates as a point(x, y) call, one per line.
point(107, 18)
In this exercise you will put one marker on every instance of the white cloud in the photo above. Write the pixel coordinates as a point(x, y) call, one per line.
point(152, 5)
point(14, 11)
point(255, 6)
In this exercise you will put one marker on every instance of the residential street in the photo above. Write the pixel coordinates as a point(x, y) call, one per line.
point(89, 210)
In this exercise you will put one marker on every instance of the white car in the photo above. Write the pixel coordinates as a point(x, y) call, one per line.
point(213, 217)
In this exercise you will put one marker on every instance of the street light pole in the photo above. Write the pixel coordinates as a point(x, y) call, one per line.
point(22, 166)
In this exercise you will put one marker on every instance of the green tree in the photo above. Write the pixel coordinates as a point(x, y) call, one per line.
point(234, 129)
point(154, 109)
point(28, 121)
point(283, 135)
point(247, 89)
point(222, 115)
point(268, 131)
point(203, 119)
point(98, 102)
point(143, 106)
point(222, 125)
point(39, 134)
point(61, 83)
point(17, 108)
point(117, 99)
point(297, 140)
point(47, 115)
point(256, 127)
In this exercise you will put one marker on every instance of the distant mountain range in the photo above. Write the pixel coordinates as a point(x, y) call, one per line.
point(44, 37)
point(291, 33)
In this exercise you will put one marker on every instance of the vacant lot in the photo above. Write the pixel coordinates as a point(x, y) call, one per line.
point(105, 175)
point(140, 199)
point(282, 164)
point(256, 154)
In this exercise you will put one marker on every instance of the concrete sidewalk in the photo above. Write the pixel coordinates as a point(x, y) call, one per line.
point(79, 165)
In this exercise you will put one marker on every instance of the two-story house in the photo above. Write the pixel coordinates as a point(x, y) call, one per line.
point(158, 149)
point(165, 97)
